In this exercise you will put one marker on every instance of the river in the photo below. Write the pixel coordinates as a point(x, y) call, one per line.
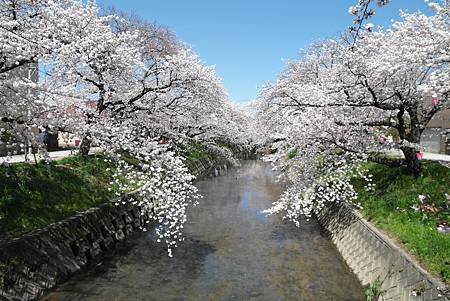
point(232, 252)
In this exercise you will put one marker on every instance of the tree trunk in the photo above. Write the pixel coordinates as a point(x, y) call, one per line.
point(414, 165)
point(85, 146)
point(412, 135)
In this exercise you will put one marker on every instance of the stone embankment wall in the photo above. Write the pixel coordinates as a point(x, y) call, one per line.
point(371, 254)
point(38, 261)
point(209, 167)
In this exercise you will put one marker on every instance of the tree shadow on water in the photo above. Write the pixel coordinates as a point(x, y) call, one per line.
point(140, 263)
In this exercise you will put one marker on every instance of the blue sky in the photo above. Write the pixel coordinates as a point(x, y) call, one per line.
point(249, 40)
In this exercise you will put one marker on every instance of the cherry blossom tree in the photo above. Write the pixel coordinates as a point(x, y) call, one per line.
point(124, 85)
point(345, 103)
point(362, 11)
point(27, 30)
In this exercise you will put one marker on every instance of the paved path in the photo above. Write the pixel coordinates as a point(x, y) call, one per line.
point(53, 155)
point(436, 157)
point(426, 156)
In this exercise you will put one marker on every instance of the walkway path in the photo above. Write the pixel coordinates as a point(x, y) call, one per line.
point(426, 156)
point(53, 155)
point(232, 252)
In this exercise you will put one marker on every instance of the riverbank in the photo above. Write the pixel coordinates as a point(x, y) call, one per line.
point(38, 260)
point(395, 244)
point(33, 196)
point(232, 251)
point(413, 211)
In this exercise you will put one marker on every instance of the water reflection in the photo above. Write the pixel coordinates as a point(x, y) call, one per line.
point(249, 202)
point(232, 252)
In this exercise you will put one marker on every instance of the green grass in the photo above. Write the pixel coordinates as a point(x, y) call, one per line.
point(195, 152)
point(33, 196)
point(292, 154)
point(389, 208)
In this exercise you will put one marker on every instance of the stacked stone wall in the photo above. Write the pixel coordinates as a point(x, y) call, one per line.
point(371, 255)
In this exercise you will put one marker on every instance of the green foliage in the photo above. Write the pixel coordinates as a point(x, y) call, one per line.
point(126, 157)
point(292, 154)
point(388, 131)
point(390, 208)
point(6, 137)
point(195, 152)
point(374, 291)
point(33, 196)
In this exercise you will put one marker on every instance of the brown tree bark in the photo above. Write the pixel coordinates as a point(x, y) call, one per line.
point(414, 165)
point(411, 133)
point(85, 146)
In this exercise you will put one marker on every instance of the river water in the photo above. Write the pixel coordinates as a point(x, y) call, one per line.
point(232, 252)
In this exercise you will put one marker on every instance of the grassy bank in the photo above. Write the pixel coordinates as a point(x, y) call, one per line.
point(395, 208)
point(33, 196)
point(195, 152)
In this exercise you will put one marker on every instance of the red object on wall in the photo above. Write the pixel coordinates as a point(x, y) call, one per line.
point(77, 142)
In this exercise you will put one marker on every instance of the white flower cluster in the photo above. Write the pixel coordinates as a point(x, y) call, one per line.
point(341, 105)
point(125, 86)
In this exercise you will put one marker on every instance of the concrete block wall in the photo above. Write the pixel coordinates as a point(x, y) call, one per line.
point(209, 167)
point(371, 254)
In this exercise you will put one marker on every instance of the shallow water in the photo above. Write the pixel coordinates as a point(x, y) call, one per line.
point(232, 252)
